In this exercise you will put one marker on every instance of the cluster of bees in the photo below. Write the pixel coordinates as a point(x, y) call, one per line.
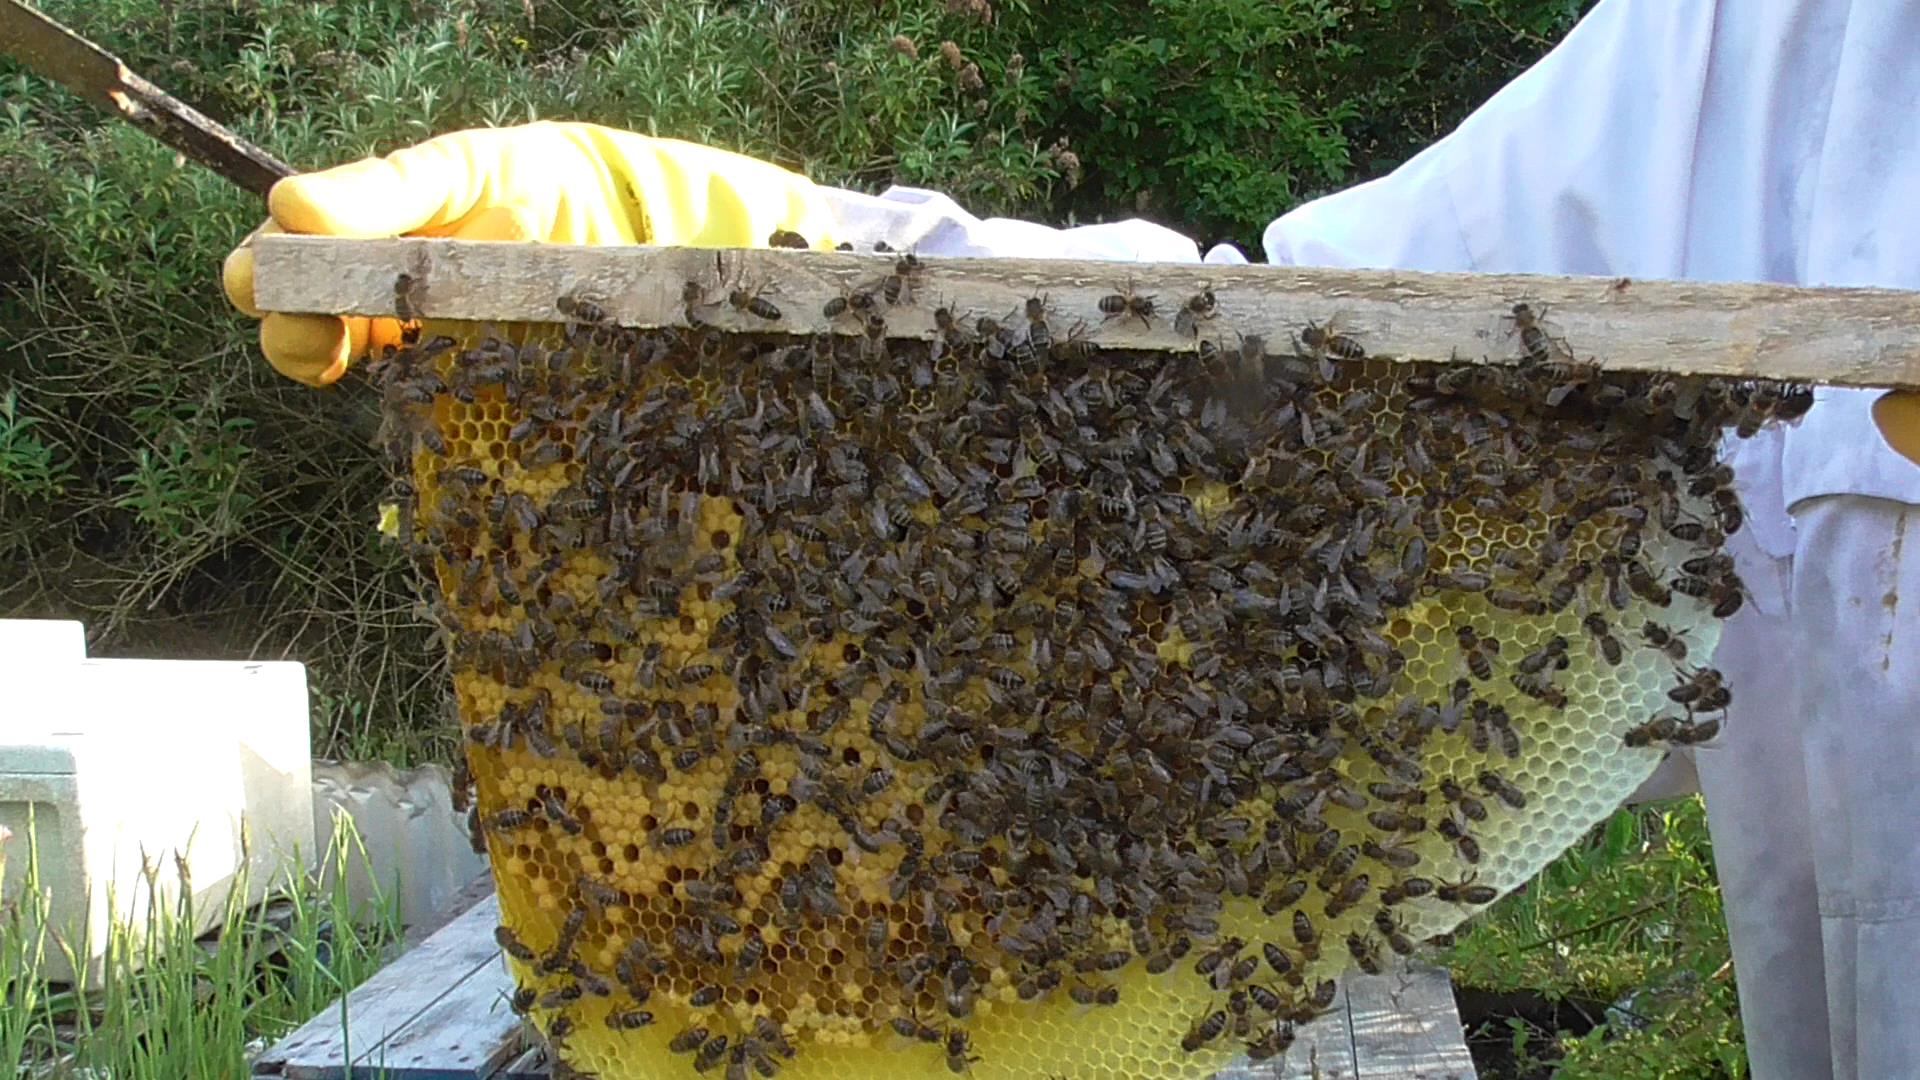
point(839, 692)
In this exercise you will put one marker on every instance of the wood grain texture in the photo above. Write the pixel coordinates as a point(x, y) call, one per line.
point(1401, 1025)
point(1860, 337)
point(1406, 1027)
point(438, 1012)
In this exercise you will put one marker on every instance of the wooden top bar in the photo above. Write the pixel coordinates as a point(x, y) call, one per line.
point(1860, 337)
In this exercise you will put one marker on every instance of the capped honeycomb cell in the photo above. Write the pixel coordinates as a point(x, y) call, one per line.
point(1035, 711)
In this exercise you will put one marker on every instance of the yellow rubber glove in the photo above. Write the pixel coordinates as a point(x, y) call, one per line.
point(561, 183)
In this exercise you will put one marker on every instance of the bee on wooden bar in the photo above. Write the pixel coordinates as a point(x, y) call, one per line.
point(1128, 304)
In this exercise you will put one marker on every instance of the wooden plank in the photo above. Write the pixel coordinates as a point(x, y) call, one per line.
point(1406, 1027)
point(469, 1034)
point(1322, 1050)
point(398, 995)
point(1865, 337)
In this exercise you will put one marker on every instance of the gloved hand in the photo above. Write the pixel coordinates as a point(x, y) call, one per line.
point(563, 183)
point(1897, 414)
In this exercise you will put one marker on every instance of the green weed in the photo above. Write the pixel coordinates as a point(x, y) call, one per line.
point(172, 1003)
point(1631, 915)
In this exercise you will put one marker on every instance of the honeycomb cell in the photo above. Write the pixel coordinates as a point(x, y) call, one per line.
point(1053, 713)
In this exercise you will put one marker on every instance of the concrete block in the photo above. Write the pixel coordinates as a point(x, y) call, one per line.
point(112, 768)
point(411, 847)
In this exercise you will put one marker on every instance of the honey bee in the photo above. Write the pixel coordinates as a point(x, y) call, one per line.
point(1401, 793)
point(1479, 651)
point(1466, 892)
point(1701, 690)
point(1596, 625)
point(957, 1047)
point(1395, 821)
point(1727, 514)
point(1456, 793)
point(787, 238)
point(688, 1041)
point(1463, 581)
point(1500, 788)
point(1216, 958)
point(1400, 858)
point(1272, 1042)
point(1199, 307)
point(711, 1054)
point(753, 304)
point(1540, 688)
point(1128, 304)
point(1536, 345)
point(1306, 936)
point(1284, 897)
point(910, 1027)
point(406, 288)
point(579, 309)
point(511, 944)
point(1696, 733)
point(1564, 591)
point(1366, 954)
point(1554, 652)
point(629, 1019)
point(1463, 841)
point(509, 820)
point(1278, 959)
point(855, 301)
point(1648, 732)
point(1388, 924)
point(1645, 585)
point(1204, 1030)
point(1351, 893)
point(907, 271)
point(1325, 341)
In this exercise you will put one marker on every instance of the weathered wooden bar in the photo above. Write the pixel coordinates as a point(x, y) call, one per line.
point(1841, 336)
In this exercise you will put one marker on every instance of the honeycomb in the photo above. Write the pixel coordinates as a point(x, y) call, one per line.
point(1009, 706)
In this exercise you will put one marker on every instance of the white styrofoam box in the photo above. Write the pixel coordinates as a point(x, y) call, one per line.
point(124, 765)
point(412, 847)
point(26, 642)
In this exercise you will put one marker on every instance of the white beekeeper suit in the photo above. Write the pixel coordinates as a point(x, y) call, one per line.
point(1753, 140)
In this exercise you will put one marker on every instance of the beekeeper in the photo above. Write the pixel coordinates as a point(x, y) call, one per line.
point(1753, 140)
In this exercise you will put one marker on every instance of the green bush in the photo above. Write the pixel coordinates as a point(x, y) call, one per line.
point(161, 482)
point(1630, 916)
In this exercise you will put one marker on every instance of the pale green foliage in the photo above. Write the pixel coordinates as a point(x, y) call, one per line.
point(1633, 910)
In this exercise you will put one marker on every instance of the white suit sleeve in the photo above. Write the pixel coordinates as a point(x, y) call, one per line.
point(933, 224)
point(1579, 166)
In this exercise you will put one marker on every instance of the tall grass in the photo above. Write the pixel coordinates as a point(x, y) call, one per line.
point(169, 1003)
